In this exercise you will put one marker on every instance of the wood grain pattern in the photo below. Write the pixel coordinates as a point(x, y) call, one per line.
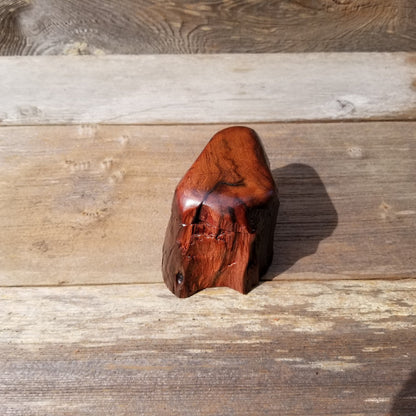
point(49, 27)
point(223, 217)
point(298, 348)
point(12, 39)
point(180, 89)
point(90, 204)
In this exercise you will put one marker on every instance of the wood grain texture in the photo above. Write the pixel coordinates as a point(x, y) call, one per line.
point(170, 89)
point(224, 210)
point(287, 348)
point(12, 39)
point(90, 204)
point(184, 26)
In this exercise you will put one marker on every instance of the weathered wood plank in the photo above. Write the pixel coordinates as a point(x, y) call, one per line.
point(155, 26)
point(206, 88)
point(90, 204)
point(292, 348)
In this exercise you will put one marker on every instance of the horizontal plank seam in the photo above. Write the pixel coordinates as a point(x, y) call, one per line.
point(315, 121)
point(262, 282)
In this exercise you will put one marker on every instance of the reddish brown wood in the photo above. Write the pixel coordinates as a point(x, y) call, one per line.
point(223, 217)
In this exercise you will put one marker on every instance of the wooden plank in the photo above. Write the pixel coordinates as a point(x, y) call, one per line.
point(182, 89)
point(90, 204)
point(287, 348)
point(154, 26)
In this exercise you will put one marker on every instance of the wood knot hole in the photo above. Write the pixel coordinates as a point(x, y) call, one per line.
point(179, 278)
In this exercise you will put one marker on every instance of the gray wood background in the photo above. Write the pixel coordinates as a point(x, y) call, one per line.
point(74, 340)
point(53, 27)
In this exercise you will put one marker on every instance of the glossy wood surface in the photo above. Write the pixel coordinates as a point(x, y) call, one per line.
point(223, 217)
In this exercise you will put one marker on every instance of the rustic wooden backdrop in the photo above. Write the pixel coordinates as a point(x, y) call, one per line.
point(51, 27)
point(91, 148)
